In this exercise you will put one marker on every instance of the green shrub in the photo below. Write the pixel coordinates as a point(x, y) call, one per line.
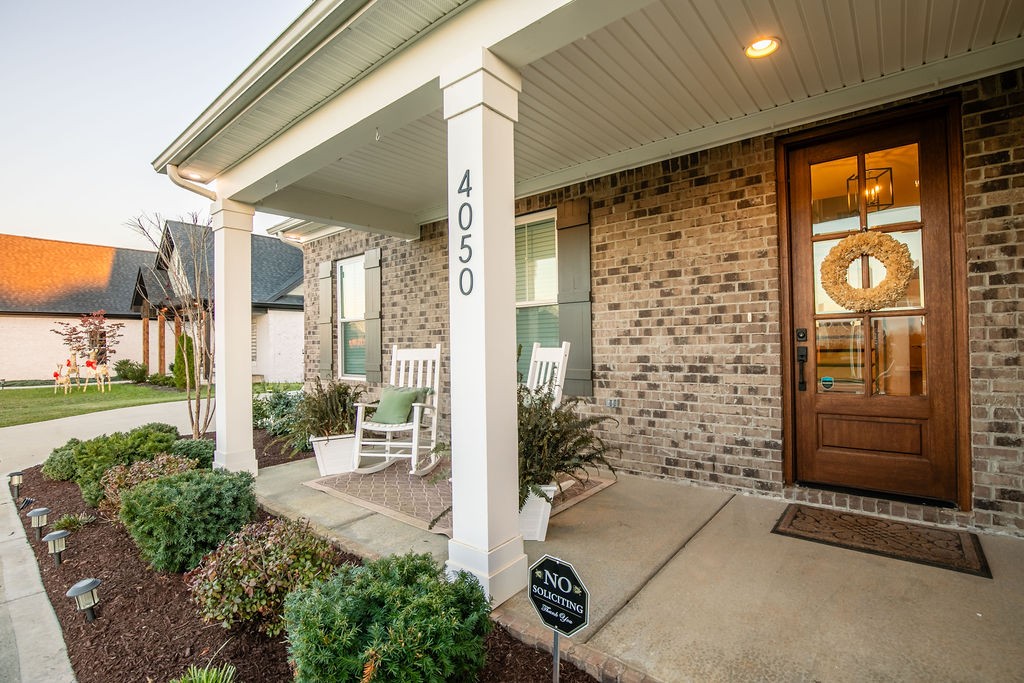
point(394, 619)
point(120, 478)
point(200, 450)
point(177, 519)
point(131, 371)
point(60, 466)
point(96, 456)
point(184, 361)
point(275, 412)
point(162, 380)
point(73, 523)
point(249, 575)
point(208, 674)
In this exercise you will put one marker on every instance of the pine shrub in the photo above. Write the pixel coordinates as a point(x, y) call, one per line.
point(177, 519)
point(184, 362)
point(131, 370)
point(393, 619)
point(60, 465)
point(96, 456)
point(120, 478)
point(200, 450)
point(247, 578)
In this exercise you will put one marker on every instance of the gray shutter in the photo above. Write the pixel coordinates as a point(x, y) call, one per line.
point(371, 269)
point(574, 321)
point(325, 319)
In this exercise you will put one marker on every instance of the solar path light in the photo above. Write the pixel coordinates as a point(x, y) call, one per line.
point(14, 479)
point(38, 517)
point(56, 543)
point(86, 597)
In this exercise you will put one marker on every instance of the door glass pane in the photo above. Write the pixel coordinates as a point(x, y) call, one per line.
point(899, 356)
point(840, 356)
point(833, 207)
point(892, 186)
point(823, 303)
point(914, 297)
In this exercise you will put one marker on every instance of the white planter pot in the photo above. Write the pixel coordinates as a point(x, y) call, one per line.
point(333, 453)
point(533, 518)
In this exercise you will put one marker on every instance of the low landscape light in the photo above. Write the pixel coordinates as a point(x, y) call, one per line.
point(86, 597)
point(14, 479)
point(56, 543)
point(38, 517)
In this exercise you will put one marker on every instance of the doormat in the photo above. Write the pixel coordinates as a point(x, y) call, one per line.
point(957, 550)
point(418, 500)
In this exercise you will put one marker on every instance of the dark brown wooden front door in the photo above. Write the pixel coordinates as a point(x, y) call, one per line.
point(877, 406)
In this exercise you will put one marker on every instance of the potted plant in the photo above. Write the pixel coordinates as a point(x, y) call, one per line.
point(555, 443)
point(326, 416)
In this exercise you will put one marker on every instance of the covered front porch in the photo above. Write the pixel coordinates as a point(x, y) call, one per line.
point(688, 583)
point(417, 132)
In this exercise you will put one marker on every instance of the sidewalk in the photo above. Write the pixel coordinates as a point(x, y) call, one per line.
point(31, 645)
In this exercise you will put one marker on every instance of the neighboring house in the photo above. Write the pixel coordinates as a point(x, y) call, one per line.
point(275, 350)
point(469, 173)
point(43, 282)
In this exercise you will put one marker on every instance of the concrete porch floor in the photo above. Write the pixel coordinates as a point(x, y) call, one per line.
point(688, 584)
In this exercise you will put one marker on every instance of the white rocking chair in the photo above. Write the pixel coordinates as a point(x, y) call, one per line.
point(375, 444)
point(547, 369)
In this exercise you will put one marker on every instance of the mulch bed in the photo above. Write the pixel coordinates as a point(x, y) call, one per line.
point(147, 628)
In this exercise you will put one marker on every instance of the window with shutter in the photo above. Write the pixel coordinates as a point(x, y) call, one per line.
point(351, 317)
point(536, 284)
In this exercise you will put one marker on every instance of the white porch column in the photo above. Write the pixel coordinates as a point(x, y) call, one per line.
point(480, 105)
point(232, 321)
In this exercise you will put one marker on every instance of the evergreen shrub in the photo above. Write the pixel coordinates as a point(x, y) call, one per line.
point(394, 619)
point(200, 450)
point(60, 465)
point(130, 370)
point(247, 578)
point(184, 361)
point(120, 478)
point(175, 520)
point(96, 456)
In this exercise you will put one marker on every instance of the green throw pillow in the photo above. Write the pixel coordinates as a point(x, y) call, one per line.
point(395, 406)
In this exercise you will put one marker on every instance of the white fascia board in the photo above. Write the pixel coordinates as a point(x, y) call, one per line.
point(293, 45)
point(320, 207)
point(405, 87)
point(921, 80)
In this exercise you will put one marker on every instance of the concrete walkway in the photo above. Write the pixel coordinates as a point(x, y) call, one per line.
point(686, 584)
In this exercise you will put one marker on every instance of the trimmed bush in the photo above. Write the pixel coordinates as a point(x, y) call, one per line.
point(394, 619)
point(200, 450)
point(177, 519)
point(184, 362)
point(249, 575)
point(120, 478)
point(131, 371)
point(60, 466)
point(161, 380)
point(96, 456)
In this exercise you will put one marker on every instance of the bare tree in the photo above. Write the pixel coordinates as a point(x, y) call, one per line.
point(182, 280)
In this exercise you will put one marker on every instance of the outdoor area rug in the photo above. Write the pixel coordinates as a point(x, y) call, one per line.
point(957, 550)
point(418, 500)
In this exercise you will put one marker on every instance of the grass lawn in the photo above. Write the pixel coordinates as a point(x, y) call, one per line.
point(21, 406)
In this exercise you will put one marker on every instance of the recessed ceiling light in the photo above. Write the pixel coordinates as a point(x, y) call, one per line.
point(762, 47)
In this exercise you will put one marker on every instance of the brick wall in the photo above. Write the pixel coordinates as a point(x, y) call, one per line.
point(993, 130)
point(686, 312)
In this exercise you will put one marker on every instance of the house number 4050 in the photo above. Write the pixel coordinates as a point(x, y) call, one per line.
point(465, 218)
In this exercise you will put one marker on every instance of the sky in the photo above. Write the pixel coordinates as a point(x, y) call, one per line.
point(92, 92)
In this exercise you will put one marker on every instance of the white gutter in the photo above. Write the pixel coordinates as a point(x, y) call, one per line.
point(172, 173)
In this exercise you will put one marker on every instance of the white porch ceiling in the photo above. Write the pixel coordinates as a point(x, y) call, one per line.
point(667, 79)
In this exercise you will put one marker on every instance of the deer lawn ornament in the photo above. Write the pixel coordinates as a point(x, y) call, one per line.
point(98, 371)
point(74, 370)
point(61, 380)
